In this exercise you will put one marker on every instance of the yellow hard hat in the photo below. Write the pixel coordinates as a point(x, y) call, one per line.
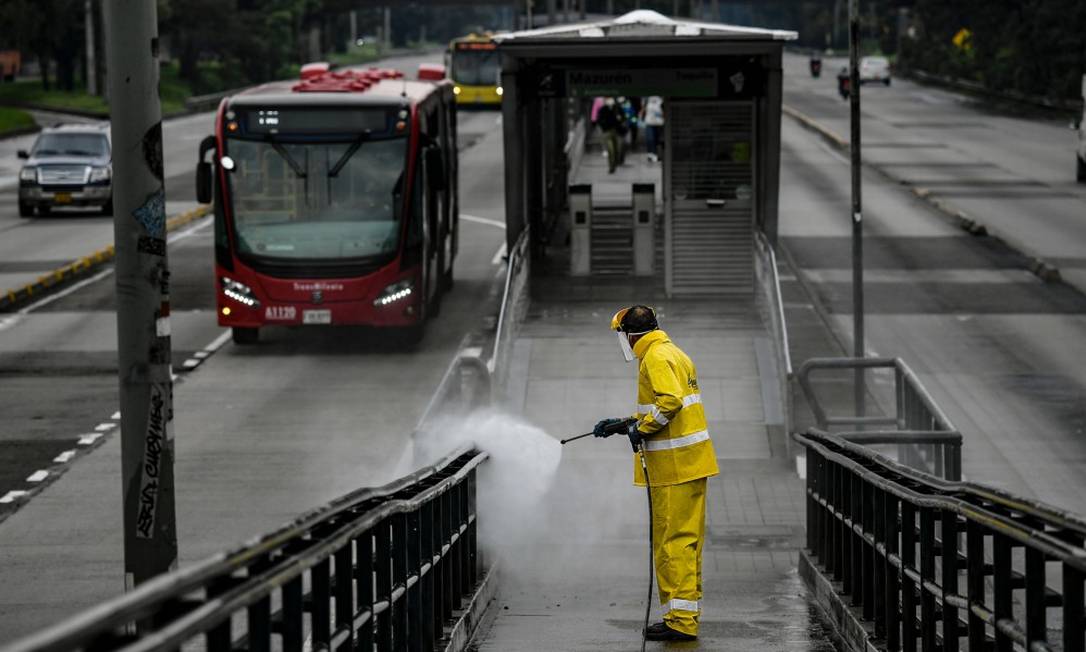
point(616, 321)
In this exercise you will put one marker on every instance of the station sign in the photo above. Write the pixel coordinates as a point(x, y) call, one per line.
point(642, 82)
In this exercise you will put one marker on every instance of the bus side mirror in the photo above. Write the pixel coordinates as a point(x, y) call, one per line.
point(435, 168)
point(204, 175)
point(204, 180)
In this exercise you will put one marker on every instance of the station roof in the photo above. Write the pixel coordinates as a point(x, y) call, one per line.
point(642, 25)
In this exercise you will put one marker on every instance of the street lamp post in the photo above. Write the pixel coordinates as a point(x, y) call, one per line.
point(857, 201)
point(143, 300)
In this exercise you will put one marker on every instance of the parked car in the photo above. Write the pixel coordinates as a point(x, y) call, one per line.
point(69, 165)
point(874, 69)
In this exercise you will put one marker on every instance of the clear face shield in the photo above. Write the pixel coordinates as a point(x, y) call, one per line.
point(624, 344)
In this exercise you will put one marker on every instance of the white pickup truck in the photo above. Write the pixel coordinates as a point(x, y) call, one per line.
point(1081, 124)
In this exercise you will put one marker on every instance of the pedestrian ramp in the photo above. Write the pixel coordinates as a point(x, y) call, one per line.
point(574, 572)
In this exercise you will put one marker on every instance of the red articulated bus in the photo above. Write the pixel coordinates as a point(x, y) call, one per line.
point(335, 201)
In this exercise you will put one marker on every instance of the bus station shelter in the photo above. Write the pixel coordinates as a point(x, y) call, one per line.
point(721, 86)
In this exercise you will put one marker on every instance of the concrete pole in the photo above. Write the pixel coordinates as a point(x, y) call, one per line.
point(106, 31)
point(143, 299)
point(552, 9)
point(92, 69)
point(675, 8)
point(584, 9)
point(610, 7)
point(353, 17)
point(859, 349)
point(565, 11)
point(714, 8)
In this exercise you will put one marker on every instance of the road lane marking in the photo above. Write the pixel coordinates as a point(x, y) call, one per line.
point(200, 355)
point(483, 220)
point(57, 296)
point(88, 439)
point(103, 427)
point(115, 416)
point(191, 363)
point(218, 342)
point(12, 496)
point(37, 476)
point(64, 457)
point(498, 255)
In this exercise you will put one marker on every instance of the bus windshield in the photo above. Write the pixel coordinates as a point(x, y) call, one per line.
point(475, 67)
point(317, 200)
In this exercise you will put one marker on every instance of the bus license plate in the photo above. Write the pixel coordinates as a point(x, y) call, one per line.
point(63, 197)
point(316, 316)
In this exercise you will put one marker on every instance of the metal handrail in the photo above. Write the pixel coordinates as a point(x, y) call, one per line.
point(924, 434)
point(518, 257)
point(418, 530)
point(862, 515)
point(778, 301)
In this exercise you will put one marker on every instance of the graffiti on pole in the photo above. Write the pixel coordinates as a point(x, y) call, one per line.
point(154, 447)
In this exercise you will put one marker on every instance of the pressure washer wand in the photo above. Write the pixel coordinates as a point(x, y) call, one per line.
point(566, 441)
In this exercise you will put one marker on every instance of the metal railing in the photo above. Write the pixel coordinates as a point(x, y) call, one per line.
point(931, 562)
point(377, 569)
point(925, 437)
point(514, 306)
point(771, 305)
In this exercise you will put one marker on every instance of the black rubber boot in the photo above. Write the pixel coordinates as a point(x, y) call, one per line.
point(661, 632)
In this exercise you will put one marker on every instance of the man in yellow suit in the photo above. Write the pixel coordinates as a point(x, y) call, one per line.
point(679, 455)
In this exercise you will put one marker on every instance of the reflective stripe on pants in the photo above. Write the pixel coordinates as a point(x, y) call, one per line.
point(678, 530)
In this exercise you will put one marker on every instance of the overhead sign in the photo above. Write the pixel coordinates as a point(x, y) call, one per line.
point(668, 82)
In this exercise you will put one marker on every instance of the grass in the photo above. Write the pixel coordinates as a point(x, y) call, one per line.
point(356, 55)
point(31, 92)
point(13, 119)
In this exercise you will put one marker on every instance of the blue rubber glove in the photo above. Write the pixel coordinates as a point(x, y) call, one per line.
point(607, 427)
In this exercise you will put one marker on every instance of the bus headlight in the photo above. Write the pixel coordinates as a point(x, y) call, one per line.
point(456, 90)
point(394, 292)
point(499, 91)
point(239, 292)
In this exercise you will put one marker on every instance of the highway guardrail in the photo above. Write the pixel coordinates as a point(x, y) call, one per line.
point(82, 266)
point(382, 568)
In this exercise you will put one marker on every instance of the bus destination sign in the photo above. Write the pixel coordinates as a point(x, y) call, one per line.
point(316, 121)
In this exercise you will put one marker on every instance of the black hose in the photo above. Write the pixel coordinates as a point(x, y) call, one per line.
point(648, 599)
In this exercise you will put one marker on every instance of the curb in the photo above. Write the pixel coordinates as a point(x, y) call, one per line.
point(850, 629)
point(21, 131)
point(82, 266)
point(1038, 266)
point(467, 625)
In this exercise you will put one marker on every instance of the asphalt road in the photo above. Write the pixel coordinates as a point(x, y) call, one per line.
point(1003, 353)
point(263, 433)
point(1015, 175)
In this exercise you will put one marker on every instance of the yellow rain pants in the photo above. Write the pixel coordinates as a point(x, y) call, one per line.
point(678, 533)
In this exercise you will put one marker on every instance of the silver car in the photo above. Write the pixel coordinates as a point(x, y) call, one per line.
point(69, 165)
point(874, 69)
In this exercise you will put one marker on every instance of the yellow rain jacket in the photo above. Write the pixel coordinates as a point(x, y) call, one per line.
point(670, 415)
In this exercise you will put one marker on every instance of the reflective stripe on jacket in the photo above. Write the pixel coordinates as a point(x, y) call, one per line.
point(670, 415)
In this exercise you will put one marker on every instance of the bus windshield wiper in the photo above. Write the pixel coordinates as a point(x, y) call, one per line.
point(282, 151)
point(338, 167)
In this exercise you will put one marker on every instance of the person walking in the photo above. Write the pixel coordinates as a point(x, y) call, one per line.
point(611, 122)
point(679, 455)
point(652, 116)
